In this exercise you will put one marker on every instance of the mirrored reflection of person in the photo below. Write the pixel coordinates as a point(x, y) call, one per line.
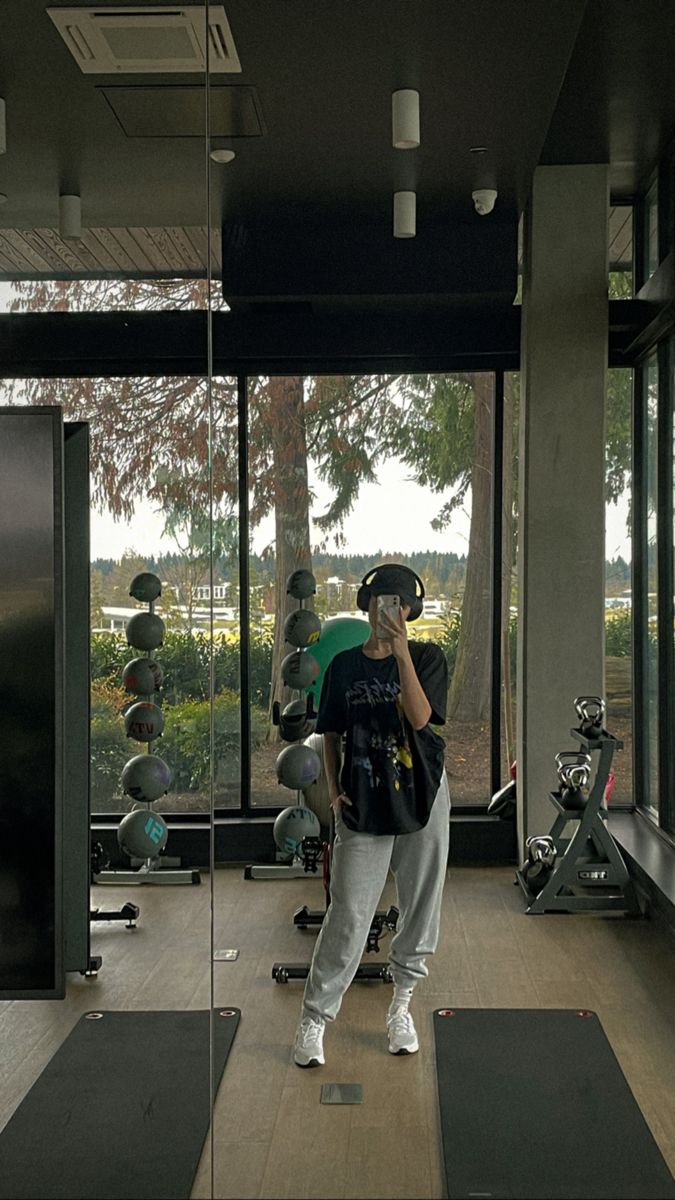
point(389, 794)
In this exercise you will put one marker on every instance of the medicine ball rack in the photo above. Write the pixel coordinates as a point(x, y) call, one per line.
point(589, 873)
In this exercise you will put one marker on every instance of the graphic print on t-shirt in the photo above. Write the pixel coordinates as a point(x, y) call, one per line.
point(380, 747)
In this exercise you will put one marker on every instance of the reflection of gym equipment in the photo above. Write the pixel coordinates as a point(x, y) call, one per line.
point(584, 872)
point(142, 834)
point(128, 913)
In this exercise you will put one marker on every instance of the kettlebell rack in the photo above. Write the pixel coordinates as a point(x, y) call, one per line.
point(588, 873)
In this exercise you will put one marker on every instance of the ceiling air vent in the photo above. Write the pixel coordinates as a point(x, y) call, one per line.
point(142, 40)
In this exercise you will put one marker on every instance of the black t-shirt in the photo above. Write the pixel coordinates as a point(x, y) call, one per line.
point(390, 771)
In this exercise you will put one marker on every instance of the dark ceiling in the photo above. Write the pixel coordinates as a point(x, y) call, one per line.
point(309, 116)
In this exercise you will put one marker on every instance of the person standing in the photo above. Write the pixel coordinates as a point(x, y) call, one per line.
point(391, 803)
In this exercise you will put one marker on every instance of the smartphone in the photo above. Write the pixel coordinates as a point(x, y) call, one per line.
point(392, 606)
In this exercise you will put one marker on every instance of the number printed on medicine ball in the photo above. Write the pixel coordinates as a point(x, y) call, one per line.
point(299, 669)
point(145, 631)
point(302, 627)
point(145, 587)
point(144, 721)
point(142, 834)
point(292, 825)
point(301, 584)
point(142, 676)
point(146, 777)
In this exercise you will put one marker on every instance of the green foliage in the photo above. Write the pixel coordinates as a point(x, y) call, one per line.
point(110, 747)
point(184, 658)
point(186, 742)
point(448, 638)
point(618, 633)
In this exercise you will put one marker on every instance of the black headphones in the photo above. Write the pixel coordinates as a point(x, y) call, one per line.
point(364, 593)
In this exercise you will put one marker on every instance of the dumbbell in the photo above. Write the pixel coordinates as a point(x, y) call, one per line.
point(538, 867)
point(591, 713)
point(574, 772)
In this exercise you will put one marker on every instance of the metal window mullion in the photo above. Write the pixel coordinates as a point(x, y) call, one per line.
point(639, 584)
point(244, 600)
point(497, 554)
point(665, 582)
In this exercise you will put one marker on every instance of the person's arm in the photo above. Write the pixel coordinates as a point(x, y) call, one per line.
point(413, 697)
point(415, 704)
point(332, 764)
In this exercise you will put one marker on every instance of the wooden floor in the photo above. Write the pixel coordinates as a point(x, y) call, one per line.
point(273, 1138)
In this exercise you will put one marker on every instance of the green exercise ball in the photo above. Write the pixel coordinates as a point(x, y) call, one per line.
point(145, 631)
point(142, 676)
point(292, 825)
point(145, 587)
point(146, 777)
point(144, 721)
point(142, 834)
point(302, 627)
point(337, 633)
point(299, 669)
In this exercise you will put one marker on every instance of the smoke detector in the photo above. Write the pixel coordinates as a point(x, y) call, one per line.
point(143, 40)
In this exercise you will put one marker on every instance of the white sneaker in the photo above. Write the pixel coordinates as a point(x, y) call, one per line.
point(308, 1050)
point(402, 1035)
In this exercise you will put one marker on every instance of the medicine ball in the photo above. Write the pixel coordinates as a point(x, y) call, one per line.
point(144, 721)
point(294, 723)
point(301, 584)
point(315, 795)
point(142, 834)
point(302, 627)
point(145, 587)
point(145, 631)
point(292, 825)
point(142, 676)
point(299, 670)
point(146, 777)
point(297, 767)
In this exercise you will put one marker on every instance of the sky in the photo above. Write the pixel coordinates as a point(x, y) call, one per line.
point(393, 516)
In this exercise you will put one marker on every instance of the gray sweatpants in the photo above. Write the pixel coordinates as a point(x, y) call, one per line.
point(359, 866)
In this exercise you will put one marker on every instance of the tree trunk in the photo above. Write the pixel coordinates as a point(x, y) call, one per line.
point(469, 693)
point(291, 514)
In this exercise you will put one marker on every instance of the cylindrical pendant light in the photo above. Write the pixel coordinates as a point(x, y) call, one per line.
point(405, 206)
point(70, 216)
point(405, 119)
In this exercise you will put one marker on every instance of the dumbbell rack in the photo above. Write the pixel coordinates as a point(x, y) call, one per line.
point(589, 874)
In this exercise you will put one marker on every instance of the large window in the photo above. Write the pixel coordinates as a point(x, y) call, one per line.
point(651, 640)
point(650, 231)
point(350, 471)
point(509, 579)
point(618, 573)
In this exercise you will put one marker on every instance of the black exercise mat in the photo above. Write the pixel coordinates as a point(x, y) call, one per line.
point(533, 1104)
point(120, 1112)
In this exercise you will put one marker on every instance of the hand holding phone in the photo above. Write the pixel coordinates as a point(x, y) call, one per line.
point(391, 605)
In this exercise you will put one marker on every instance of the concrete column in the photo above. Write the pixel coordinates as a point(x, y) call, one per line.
point(561, 487)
